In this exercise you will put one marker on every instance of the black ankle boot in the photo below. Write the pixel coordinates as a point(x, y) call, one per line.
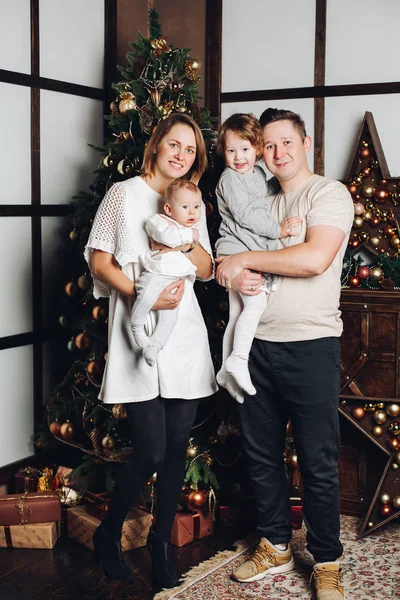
point(108, 551)
point(163, 571)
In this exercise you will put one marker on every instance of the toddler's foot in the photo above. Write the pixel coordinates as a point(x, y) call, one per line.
point(150, 354)
point(225, 380)
point(238, 368)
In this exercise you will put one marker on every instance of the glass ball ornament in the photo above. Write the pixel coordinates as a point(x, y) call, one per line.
point(394, 444)
point(352, 188)
point(388, 231)
point(385, 510)
point(380, 417)
point(67, 430)
point(192, 451)
point(377, 273)
point(363, 236)
point(395, 241)
point(396, 502)
point(196, 498)
point(363, 273)
point(369, 407)
point(83, 341)
point(55, 428)
point(367, 215)
point(358, 413)
point(354, 282)
point(394, 428)
point(368, 190)
point(375, 240)
point(385, 498)
point(396, 459)
point(71, 288)
point(108, 442)
point(359, 208)
point(393, 410)
point(358, 222)
point(377, 431)
point(380, 195)
point(375, 220)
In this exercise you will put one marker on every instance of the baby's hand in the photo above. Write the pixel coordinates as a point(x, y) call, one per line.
point(288, 225)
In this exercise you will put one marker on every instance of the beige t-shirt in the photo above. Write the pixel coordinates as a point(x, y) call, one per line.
point(307, 308)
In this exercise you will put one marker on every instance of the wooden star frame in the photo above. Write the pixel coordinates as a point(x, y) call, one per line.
point(371, 368)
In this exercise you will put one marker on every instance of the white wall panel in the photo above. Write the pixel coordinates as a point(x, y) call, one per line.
point(15, 163)
point(305, 107)
point(362, 41)
point(267, 45)
point(15, 29)
point(343, 121)
point(16, 406)
point(72, 41)
point(15, 276)
point(67, 124)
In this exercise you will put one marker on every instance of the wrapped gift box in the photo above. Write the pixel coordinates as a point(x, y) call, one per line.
point(34, 535)
point(189, 527)
point(81, 527)
point(26, 480)
point(22, 509)
point(97, 504)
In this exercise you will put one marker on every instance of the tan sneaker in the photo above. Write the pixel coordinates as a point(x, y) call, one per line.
point(265, 560)
point(328, 581)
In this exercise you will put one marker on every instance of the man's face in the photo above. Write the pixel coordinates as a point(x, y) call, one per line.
point(285, 153)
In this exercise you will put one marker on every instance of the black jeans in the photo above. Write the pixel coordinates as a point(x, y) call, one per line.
point(160, 431)
point(300, 381)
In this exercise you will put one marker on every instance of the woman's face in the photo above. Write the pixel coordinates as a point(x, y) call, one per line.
point(176, 152)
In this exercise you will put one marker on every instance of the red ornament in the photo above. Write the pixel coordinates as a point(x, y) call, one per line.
point(365, 152)
point(380, 195)
point(388, 230)
point(363, 273)
point(354, 282)
point(385, 510)
point(394, 444)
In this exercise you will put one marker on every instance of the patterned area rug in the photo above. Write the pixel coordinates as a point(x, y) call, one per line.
point(371, 571)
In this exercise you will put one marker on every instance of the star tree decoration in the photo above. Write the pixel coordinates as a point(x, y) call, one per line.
point(376, 229)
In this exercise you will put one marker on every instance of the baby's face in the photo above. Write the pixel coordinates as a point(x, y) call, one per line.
point(185, 207)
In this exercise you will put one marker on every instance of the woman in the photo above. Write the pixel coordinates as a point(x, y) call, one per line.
point(161, 400)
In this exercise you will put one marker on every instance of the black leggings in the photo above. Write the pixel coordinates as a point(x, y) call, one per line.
point(160, 431)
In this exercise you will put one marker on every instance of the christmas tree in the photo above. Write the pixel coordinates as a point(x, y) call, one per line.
point(157, 80)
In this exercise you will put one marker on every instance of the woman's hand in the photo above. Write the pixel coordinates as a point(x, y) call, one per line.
point(171, 296)
point(228, 268)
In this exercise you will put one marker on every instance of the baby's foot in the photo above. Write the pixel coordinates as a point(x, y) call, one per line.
point(238, 368)
point(225, 380)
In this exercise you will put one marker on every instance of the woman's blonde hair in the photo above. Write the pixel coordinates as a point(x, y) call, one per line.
point(245, 126)
point(162, 129)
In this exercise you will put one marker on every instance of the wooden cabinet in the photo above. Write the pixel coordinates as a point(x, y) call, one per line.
point(370, 347)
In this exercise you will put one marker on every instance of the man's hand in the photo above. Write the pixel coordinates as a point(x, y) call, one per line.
point(248, 283)
point(171, 296)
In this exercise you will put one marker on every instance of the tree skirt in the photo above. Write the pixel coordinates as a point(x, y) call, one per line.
point(371, 570)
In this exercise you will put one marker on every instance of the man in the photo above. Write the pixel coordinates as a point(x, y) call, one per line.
point(294, 361)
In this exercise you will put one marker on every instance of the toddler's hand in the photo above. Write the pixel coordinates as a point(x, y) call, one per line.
point(288, 227)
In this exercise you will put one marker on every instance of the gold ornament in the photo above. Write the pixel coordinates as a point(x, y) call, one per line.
point(396, 459)
point(358, 222)
point(377, 430)
point(67, 430)
point(394, 428)
point(367, 215)
point(292, 461)
point(368, 190)
point(363, 236)
point(395, 466)
point(114, 108)
point(99, 313)
point(385, 498)
point(108, 442)
point(167, 108)
point(394, 444)
point(359, 208)
point(369, 407)
point(370, 524)
point(395, 241)
point(125, 166)
point(375, 240)
point(380, 405)
point(192, 451)
point(119, 412)
point(396, 502)
point(74, 235)
point(160, 46)
point(45, 482)
point(108, 161)
point(393, 410)
point(196, 498)
point(95, 369)
point(84, 282)
point(380, 417)
point(127, 102)
point(376, 273)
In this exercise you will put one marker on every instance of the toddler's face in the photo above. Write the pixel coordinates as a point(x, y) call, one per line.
point(184, 207)
point(239, 154)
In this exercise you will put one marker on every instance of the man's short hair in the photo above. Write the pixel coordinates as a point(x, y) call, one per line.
point(180, 184)
point(270, 115)
point(245, 126)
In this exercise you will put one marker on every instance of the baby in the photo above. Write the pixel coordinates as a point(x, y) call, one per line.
point(175, 228)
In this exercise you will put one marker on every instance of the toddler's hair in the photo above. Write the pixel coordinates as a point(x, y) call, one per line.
point(180, 184)
point(270, 115)
point(244, 125)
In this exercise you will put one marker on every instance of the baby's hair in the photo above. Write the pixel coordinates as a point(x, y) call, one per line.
point(180, 184)
point(270, 115)
point(244, 125)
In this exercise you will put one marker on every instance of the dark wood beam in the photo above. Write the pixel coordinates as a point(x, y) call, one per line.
point(213, 58)
point(43, 83)
point(319, 80)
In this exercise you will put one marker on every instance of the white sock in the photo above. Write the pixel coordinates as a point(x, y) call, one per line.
point(141, 338)
point(150, 354)
point(225, 380)
point(238, 368)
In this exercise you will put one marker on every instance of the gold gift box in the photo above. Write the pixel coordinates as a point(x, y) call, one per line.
point(32, 535)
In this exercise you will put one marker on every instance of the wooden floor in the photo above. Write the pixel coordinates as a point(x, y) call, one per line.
point(68, 571)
